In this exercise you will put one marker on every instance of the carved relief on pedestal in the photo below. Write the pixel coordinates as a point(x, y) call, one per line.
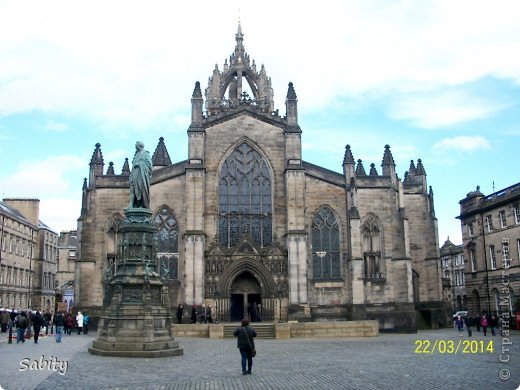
point(132, 294)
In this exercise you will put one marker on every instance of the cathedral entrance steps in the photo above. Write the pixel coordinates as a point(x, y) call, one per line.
point(263, 330)
point(420, 321)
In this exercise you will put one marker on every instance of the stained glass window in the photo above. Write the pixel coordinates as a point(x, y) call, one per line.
point(325, 245)
point(167, 242)
point(245, 205)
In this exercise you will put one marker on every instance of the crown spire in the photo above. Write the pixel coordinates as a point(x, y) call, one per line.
point(238, 75)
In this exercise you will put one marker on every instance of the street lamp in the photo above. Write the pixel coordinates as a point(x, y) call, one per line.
point(279, 294)
point(216, 295)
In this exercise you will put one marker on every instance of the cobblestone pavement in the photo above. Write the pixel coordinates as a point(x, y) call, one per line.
point(389, 361)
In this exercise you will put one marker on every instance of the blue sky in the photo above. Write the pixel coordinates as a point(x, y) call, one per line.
point(436, 80)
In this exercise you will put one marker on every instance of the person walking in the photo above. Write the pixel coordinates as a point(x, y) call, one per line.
point(69, 323)
point(180, 312)
point(477, 322)
point(484, 324)
point(37, 321)
point(21, 325)
point(493, 323)
point(246, 344)
point(459, 324)
point(79, 322)
point(86, 321)
point(59, 322)
point(4, 319)
point(468, 321)
point(47, 317)
point(202, 313)
point(194, 314)
point(209, 315)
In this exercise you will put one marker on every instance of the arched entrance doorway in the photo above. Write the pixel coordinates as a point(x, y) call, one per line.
point(245, 298)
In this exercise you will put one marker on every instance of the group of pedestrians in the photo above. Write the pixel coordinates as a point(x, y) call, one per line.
point(29, 324)
point(478, 322)
point(65, 324)
point(199, 313)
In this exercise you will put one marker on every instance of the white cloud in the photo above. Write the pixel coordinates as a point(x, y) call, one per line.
point(56, 126)
point(463, 143)
point(42, 178)
point(60, 213)
point(443, 108)
point(137, 64)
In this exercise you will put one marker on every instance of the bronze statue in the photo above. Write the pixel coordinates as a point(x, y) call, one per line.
point(140, 178)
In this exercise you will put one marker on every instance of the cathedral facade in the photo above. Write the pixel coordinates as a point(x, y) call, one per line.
point(247, 226)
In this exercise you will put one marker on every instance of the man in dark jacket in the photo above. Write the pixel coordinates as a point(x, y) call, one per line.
point(246, 344)
point(59, 321)
point(21, 325)
point(37, 321)
point(47, 321)
point(468, 321)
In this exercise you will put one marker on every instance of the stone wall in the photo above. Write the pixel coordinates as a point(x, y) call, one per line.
point(334, 329)
point(288, 330)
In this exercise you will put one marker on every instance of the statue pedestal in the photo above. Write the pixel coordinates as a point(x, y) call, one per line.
point(136, 322)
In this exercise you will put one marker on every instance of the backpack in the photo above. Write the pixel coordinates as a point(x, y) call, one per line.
point(21, 322)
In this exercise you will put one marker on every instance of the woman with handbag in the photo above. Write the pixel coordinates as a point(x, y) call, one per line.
point(246, 344)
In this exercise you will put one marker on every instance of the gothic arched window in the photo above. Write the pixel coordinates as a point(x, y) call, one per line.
point(372, 249)
point(167, 243)
point(245, 205)
point(325, 245)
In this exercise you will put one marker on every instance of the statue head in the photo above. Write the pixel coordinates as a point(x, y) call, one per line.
point(139, 145)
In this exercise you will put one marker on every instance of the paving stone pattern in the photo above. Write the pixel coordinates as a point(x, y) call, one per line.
point(388, 361)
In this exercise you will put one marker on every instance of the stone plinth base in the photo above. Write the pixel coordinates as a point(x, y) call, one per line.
point(135, 331)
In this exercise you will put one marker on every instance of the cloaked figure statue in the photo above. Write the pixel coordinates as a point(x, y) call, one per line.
point(140, 178)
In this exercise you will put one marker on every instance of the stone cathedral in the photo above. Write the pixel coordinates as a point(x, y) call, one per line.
point(246, 225)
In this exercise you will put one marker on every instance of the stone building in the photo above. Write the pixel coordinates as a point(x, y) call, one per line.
point(248, 226)
point(67, 244)
point(452, 264)
point(491, 238)
point(28, 261)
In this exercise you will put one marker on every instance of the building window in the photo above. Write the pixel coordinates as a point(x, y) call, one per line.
point(489, 223)
point(492, 257)
point(72, 253)
point(447, 274)
point(473, 259)
point(502, 217)
point(470, 229)
point(245, 205)
point(457, 277)
point(518, 249)
point(372, 243)
point(516, 212)
point(506, 255)
point(462, 280)
point(325, 245)
point(168, 244)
